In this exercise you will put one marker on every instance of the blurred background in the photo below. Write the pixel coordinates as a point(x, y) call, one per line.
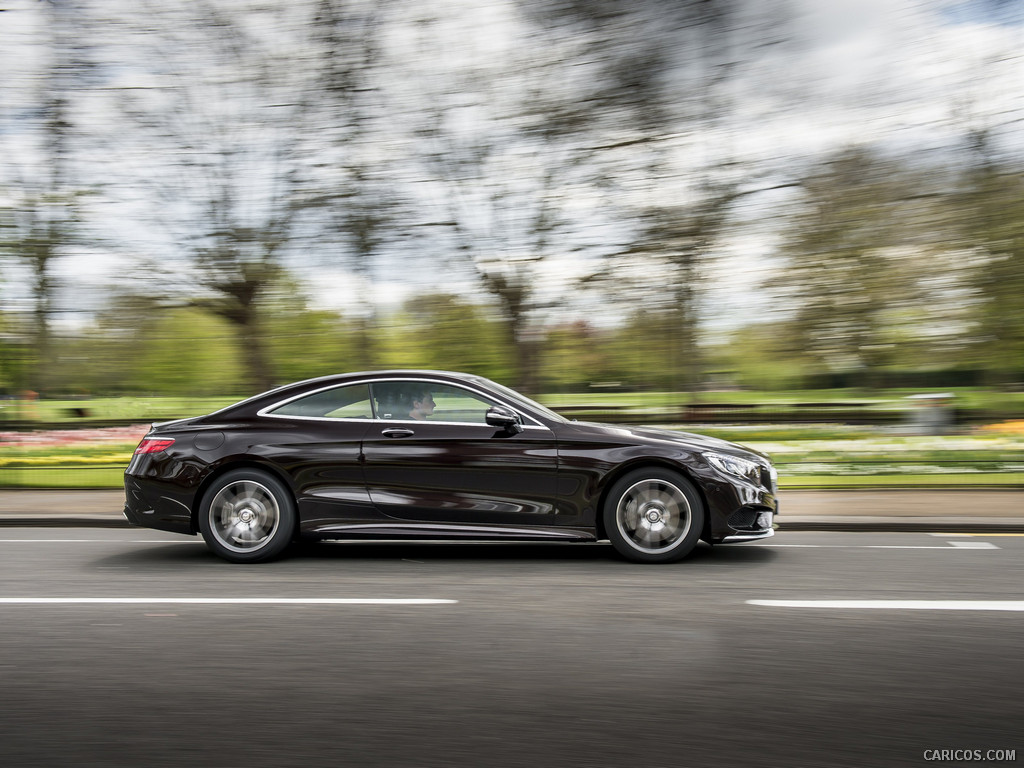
point(782, 220)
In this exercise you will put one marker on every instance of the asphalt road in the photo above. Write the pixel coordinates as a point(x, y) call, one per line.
point(547, 655)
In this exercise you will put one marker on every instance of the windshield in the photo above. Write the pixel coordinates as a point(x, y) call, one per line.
point(518, 399)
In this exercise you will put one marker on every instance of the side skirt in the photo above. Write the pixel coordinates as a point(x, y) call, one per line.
point(441, 531)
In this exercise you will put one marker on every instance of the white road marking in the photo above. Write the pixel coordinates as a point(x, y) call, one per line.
point(98, 541)
point(974, 544)
point(955, 546)
point(223, 601)
point(903, 546)
point(944, 535)
point(49, 541)
point(903, 605)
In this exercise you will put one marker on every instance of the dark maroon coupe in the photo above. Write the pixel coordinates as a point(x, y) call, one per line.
point(428, 454)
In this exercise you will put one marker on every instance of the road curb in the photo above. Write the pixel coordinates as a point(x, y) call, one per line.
point(896, 525)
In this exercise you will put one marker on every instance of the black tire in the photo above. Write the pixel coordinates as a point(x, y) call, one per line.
point(247, 516)
point(653, 515)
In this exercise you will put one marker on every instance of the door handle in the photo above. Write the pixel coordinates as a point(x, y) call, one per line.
point(397, 432)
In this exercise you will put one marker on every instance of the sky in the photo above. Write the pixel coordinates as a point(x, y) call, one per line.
point(901, 74)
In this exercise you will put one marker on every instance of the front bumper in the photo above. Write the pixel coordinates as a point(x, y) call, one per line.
point(753, 536)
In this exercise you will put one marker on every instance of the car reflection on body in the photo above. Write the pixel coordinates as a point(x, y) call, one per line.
point(429, 454)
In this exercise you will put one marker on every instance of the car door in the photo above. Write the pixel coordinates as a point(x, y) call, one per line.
point(317, 437)
point(450, 466)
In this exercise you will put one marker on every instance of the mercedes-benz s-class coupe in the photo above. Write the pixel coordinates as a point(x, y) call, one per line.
point(437, 455)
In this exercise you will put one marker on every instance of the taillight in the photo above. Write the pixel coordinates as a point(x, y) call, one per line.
point(153, 445)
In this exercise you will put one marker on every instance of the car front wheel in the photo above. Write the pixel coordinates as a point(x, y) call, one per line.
point(653, 516)
point(247, 516)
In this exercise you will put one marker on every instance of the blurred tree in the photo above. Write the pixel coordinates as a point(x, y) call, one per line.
point(639, 354)
point(760, 356)
point(504, 226)
point(38, 217)
point(544, 139)
point(669, 101)
point(575, 357)
point(312, 342)
point(140, 343)
point(131, 345)
point(506, 145)
point(187, 351)
point(991, 205)
point(864, 251)
point(14, 354)
point(665, 270)
point(358, 196)
point(212, 137)
point(304, 342)
point(246, 135)
point(440, 331)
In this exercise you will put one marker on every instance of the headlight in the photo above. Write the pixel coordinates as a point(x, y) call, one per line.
point(732, 465)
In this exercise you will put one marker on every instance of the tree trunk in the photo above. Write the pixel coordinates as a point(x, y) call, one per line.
point(39, 378)
point(254, 353)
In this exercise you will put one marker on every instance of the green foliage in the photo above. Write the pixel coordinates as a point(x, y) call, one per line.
point(15, 355)
point(647, 353)
point(843, 273)
point(573, 357)
point(303, 344)
point(188, 352)
point(443, 332)
point(993, 218)
point(761, 357)
point(168, 351)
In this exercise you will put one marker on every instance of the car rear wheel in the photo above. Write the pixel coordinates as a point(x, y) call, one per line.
point(247, 516)
point(653, 515)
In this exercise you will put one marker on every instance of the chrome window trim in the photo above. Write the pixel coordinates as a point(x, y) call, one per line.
point(265, 412)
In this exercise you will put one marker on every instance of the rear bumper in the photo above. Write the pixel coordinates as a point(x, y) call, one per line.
point(148, 506)
point(132, 516)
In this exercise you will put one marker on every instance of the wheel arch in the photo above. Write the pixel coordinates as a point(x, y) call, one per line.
point(231, 466)
point(615, 475)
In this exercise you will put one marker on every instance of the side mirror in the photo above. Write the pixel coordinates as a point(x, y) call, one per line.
point(504, 418)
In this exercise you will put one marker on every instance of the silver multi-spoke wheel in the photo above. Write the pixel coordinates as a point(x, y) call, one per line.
point(244, 516)
point(247, 516)
point(653, 515)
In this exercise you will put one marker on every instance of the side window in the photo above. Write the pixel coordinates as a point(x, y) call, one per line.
point(454, 404)
point(427, 401)
point(351, 402)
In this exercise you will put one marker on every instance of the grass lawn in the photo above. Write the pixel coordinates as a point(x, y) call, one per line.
point(843, 482)
point(85, 477)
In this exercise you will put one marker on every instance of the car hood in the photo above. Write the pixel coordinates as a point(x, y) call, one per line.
point(688, 439)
